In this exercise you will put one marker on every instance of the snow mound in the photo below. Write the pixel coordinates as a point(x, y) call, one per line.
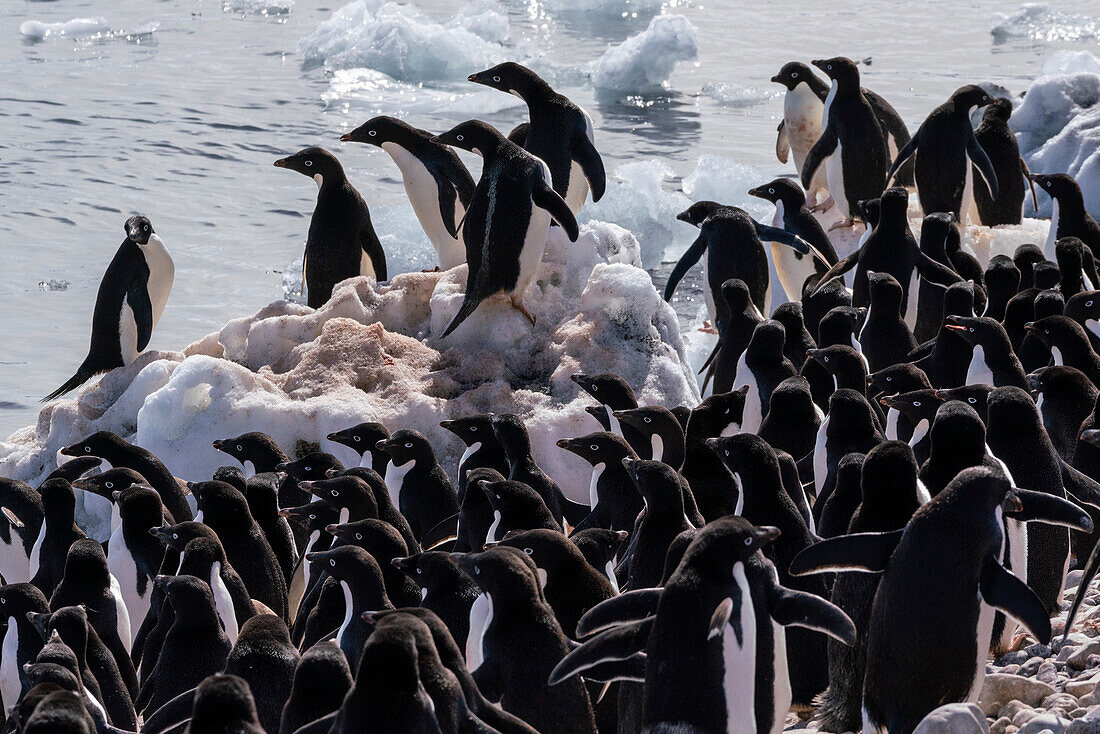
point(403, 42)
point(270, 8)
point(646, 60)
point(38, 30)
point(1042, 22)
point(371, 354)
point(1058, 123)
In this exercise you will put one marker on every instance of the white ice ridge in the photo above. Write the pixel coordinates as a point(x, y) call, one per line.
point(646, 60)
point(370, 354)
point(75, 28)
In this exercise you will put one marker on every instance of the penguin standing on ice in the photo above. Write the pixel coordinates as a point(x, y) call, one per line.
point(851, 147)
point(945, 150)
point(128, 305)
point(560, 132)
point(341, 243)
point(508, 220)
point(999, 142)
point(1068, 217)
point(437, 183)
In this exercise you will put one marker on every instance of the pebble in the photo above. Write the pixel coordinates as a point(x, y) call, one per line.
point(1080, 658)
point(999, 689)
point(954, 718)
point(1045, 722)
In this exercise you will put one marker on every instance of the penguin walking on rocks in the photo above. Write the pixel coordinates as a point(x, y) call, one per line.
point(560, 133)
point(946, 153)
point(130, 301)
point(1068, 217)
point(996, 138)
point(852, 146)
point(437, 183)
point(341, 243)
point(508, 219)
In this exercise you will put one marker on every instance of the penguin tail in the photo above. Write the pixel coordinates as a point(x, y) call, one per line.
point(82, 375)
point(469, 305)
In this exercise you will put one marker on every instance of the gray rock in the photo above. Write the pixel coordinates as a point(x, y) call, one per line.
point(1079, 659)
point(1016, 657)
point(1031, 667)
point(954, 718)
point(1045, 722)
point(998, 726)
point(999, 689)
point(1047, 673)
point(1083, 726)
point(1081, 687)
point(1039, 650)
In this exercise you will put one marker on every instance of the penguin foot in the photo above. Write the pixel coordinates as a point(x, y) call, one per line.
point(433, 270)
point(823, 206)
point(842, 223)
point(803, 711)
point(518, 305)
point(708, 328)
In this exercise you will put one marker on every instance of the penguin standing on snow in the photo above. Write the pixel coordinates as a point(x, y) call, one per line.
point(128, 305)
point(999, 142)
point(437, 183)
point(945, 150)
point(851, 147)
point(508, 220)
point(560, 132)
point(1068, 217)
point(791, 213)
point(341, 243)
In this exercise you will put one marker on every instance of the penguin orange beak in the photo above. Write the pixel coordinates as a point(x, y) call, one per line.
point(889, 401)
point(768, 532)
point(1012, 502)
point(955, 327)
point(281, 163)
point(1031, 328)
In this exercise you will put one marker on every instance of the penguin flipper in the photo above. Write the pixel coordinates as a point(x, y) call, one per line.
point(546, 198)
point(137, 297)
point(1078, 485)
point(369, 240)
point(322, 725)
point(617, 643)
point(1050, 509)
point(842, 266)
point(922, 351)
point(689, 258)
point(631, 669)
point(469, 305)
point(630, 606)
point(821, 150)
point(936, 272)
point(980, 159)
point(800, 609)
point(443, 531)
point(1083, 586)
point(783, 237)
point(588, 158)
point(1002, 590)
point(447, 197)
point(75, 468)
point(1031, 184)
point(903, 155)
point(782, 142)
point(170, 714)
point(864, 552)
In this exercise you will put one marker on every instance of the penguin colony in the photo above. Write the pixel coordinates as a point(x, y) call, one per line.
point(885, 487)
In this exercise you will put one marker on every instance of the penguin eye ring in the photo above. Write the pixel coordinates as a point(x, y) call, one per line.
point(460, 138)
point(647, 420)
point(372, 133)
point(794, 75)
point(308, 163)
point(358, 536)
point(528, 551)
point(496, 78)
point(473, 429)
point(594, 447)
point(771, 191)
point(748, 541)
point(335, 493)
point(109, 485)
point(239, 448)
point(332, 561)
point(420, 570)
point(355, 438)
point(408, 445)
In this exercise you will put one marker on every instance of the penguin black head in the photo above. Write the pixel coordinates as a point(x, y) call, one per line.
point(901, 377)
point(736, 295)
point(698, 212)
point(385, 129)
point(514, 499)
point(314, 516)
point(178, 536)
point(794, 73)
point(86, 563)
point(248, 446)
point(75, 468)
point(663, 429)
point(656, 481)
point(1083, 306)
point(598, 545)
point(722, 412)
point(958, 299)
point(1059, 377)
point(58, 499)
point(599, 447)
point(389, 662)
point(314, 465)
point(884, 290)
point(427, 568)
point(767, 341)
point(1059, 186)
point(475, 136)
point(781, 189)
point(224, 703)
point(221, 503)
point(407, 445)
point(850, 406)
point(519, 134)
point(472, 429)
point(934, 231)
point(343, 491)
point(981, 488)
point(189, 595)
point(975, 396)
point(791, 316)
point(886, 468)
point(1046, 275)
point(105, 484)
point(840, 69)
point(98, 444)
point(18, 599)
point(1011, 406)
point(233, 475)
point(611, 390)
point(59, 675)
point(317, 163)
point(915, 404)
point(139, 229)
point(1057, 331)
point(976, 329)
point(744, 451)
point(350, 562)
point(870, 209)
point(837, 359)
point(967, 98)
point(839, 325)
point(503, 573)
point(377, 537)
point(723, 543)
point(199, 556)
point(999, 109)
point(510, 77)
point(550, 550)
point(361, 438)
point(511, 434)
point(893, 204)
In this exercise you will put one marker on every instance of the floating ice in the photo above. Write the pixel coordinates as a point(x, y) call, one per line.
point(269, 8)
point(484, 18)
point(620, 8)
point(401, 41)
point(646, 60)
point(736, 95)
point(53, 285)
point(76, 28)
point(370, 354)
point(1042, 22)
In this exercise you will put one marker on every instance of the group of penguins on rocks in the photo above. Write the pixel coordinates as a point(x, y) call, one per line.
point(885, 484)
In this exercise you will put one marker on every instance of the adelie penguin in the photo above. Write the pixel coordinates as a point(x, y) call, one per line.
point(508, 220)
point(612, 496)
point(852, 146)
point(999, 143)
point(131, 299)
point(560, 132)
point(1068, 216)
point(437, 183)
point(612, 393)
point(792, 214)
point(363, 439)
point(992, 362)
point(733, 244)
point(416, 483)
point(482, 448)
point(946, 154)
point(341, 243)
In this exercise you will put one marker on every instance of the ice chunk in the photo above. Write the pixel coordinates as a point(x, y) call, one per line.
point(646, 60)
point(486, 19)
point(270, 8)
point(727, 181)
point(38, 30)
point(401, 41)
point(1042, 22)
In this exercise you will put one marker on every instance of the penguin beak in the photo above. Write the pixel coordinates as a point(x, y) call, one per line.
point(330, 473)
point(1033, 381)
point(1031, 328)
point(475, 78)
point(712, 444)
point(566, 443)
point(347, 138)
point(282, 467)
point(402, 564)
point(383, 445)
point(870, 380)
point(1012, 502)
point(768, 533)
point(777, 79)
point(282, 163)
point(890, 401)
point(446, 424)
point(331, 437)
point(1091, 436)
point(684, 217)
point(333, 529)
point(581, 379)
point(631, 466)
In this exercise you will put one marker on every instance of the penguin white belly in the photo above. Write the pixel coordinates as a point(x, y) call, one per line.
point(740, 505)
point(1093, 327)
point(609, 569)
point(223, 602)
point(1016, 562)
point(892, 415)
point(127, 332)
point(821, 457)
point(792, 270)
point(469, 452)
point(739, 662)
point(781, 686)
point(121, 564)
point(36, 551)
point(1056, 355)
point(162, 271)
point(301, 576)
point(481, 615)
point(834, 176)
point(577, 190)
point(708, 295)
point(978, 373)
point(14, 560)
point(349, 610)
point(122, 614)
point(395, 477)
point(10, 686)
point(593, 492)
point(752, 415)
point(423, 193)
point(967, 207)
point(919, 432)
point(534, 244)
point(491, 534)
point(657, 447)
point(983, 635)
point(1052, 234)
point(912, 301)
point(803, 117)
